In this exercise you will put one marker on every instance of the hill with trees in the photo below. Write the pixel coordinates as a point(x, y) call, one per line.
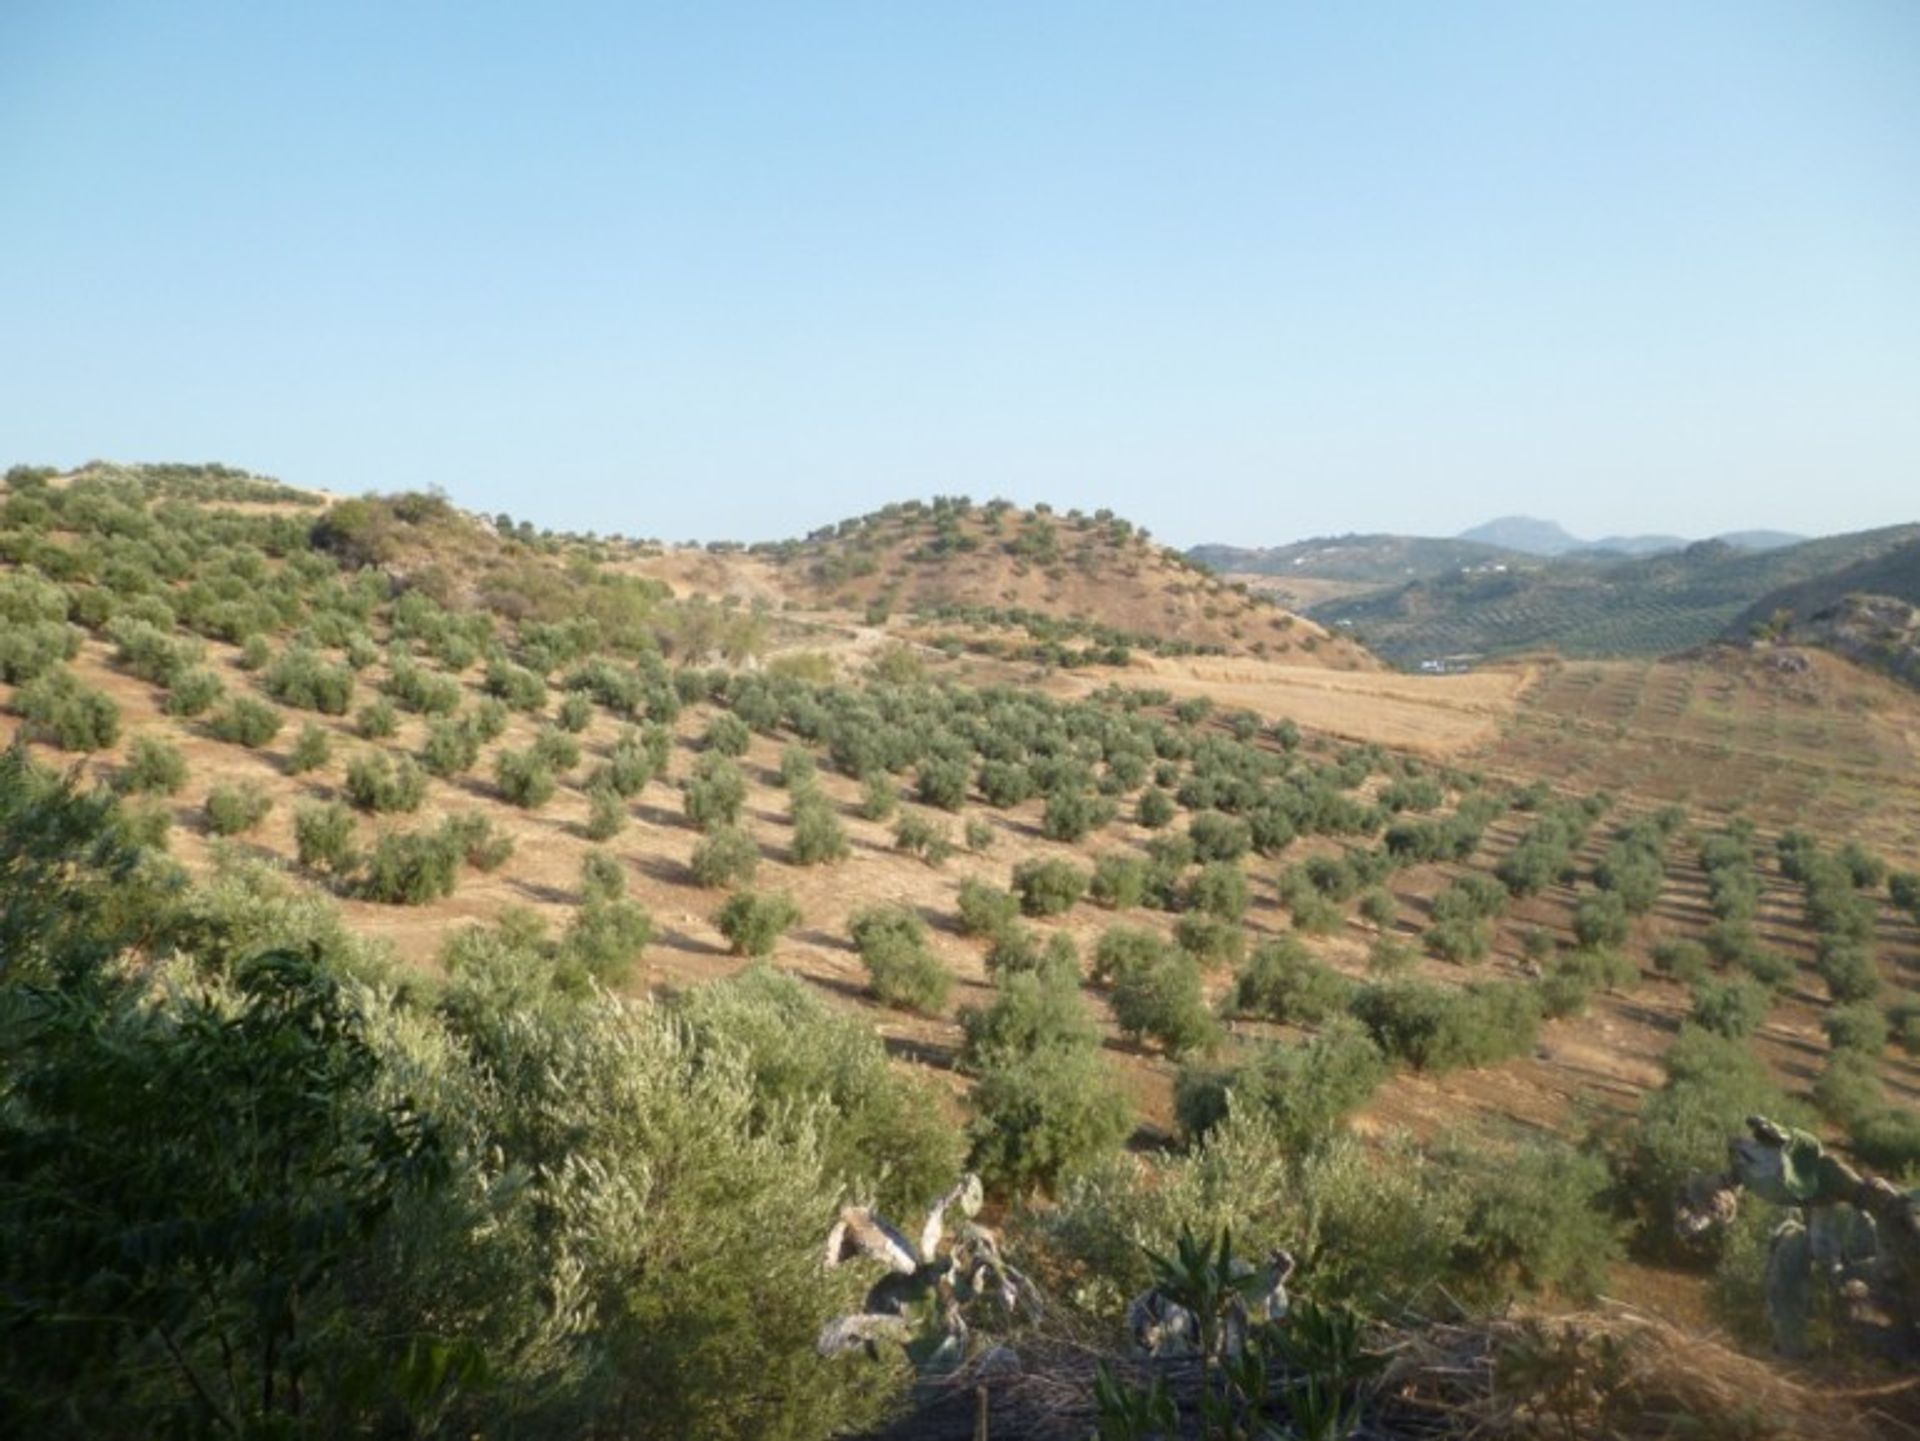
point(1588, 607)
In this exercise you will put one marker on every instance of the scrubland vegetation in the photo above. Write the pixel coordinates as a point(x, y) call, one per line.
point(1148, 965)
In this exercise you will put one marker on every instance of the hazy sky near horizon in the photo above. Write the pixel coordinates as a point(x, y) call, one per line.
point(1243, 272)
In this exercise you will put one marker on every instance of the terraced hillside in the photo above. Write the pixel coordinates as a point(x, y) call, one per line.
point(1046, 926)
point(1579, 608)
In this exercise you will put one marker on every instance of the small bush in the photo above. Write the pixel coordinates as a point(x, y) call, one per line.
point(714, 794)
point(1072, 815)
point(1733, 1009)
point(1209, 941)
point(556, 750)
point(1043, 1117)
point(1030, 1012)
point(478, 841)
point(921, 836)
point(451, 747)
point(879, 799)
point(1220, 890)
point(524, 779)
point(941, 784)
point(63, 711)
point(1121, 949)
point(383, 786)
point(1601, 919)
point(1164, 1002)
point(1887, 1140)
point(601, 878)
point(154, 767)
point(407, 868)
point(1119, 882)
point(312, 748)
point(606, 814)
point(231, 810)
point(1435, 1028)
point(1684, 961)
point(818, 838)
point(1281, 982)
point(754, 923)
point(1154, 810)
point(323, 836)
point(377, 720)
point(979, 835)
point(605, 938)
point(1303, 1092)
point(1048, 887)
point(194, 693)
point(902, 969)
point(725, 856)
point(797, 767)
point(1378, 907)
point(986, 910)
point(574, 715)
point(302, 679)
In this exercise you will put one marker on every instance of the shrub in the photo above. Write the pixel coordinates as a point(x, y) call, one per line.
point(231, 810)
point(1435, 1028)
point(451, 747)
point(797, 767)
point(878, 797)
point(194, 693)
point(606, 937)
point(515, 685)
point(754, 923)
point(1730, 1008)
point(323, 836)
point(986, 910)
point(942, 784)
point(1219, 889)
point(417, 689)
point(726, 734)
point(1601, 920)
point(1121, 949)
point(1684, 961)
point(1459, 940)
point(477, 841)
point(523, 779)
point(575, 714)
point(629, 766)
point(302, 679)
point(60, 709)
point(1048, 887)
point(1538, 1218)
point(377, 720)
point(1848, 968)
point(1043, 1117)
point(1218, 837)
point(33, 648)
point(1119, 882)
point(924, 837)
point(1072, 815)
point(979, 835)
point(1849, 1088)
point(902, 969)
point(818, 837)
point(1005, 784)
point(556, 749)
point(154, 767)
point(312, 748)
point(1281, 982)
point(1378, 907)
point(1302, 1092)
point(379, 784)
point(1154, 809)
point(1887, 1140)
point(407, 868)
point(725, 856)
point(1030, 1012)
point(714, 794)
point(1209, 941)
point(1164, 1001)
point(606, 814)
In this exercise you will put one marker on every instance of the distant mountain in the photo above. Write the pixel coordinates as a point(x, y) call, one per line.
point(1548, 538)
point(1587, 606)
point(1371, 559)
point(1524, 533)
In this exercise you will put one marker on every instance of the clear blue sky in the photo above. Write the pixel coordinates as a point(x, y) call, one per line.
point(1244, 272)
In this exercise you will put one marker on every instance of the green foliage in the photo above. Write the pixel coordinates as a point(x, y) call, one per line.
point(606, 814)
point(1164, 1001)
point(813, 1072)
point(726, 734)
point(410, 868)
point(62, 710)
point(1733, 1008)
point(1220, 890)
point(382, 785)
point(302, 678)
point(1154, 809)
point(1042, 1117)
point(377, 720)
point(754, 923)
point(1119, 881)
point(413, 687)
point(878, 797)
point(923, 836)
point(818, 837)
point(1302, 1093)
point(1072, 815)
point(246, 722)
point(725, 856)
point(1048, 887)
point(194, 692)
point(714, 794)
point(555, 749)
point(234, 809)
point(1031, 1012)
point(451, 748)
point(902, 969)
point(797, 767)
point(1281, 982)
point(524, 779)
point(515, 685)
point(606, 937)
point(1437, 1028)
point(324, 837)
point(1539, 1219)
point(942, 784)
point(986, 910)
point(312, 748)
point(154, 767)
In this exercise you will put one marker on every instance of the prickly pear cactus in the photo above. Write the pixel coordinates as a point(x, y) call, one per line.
point(936, 1291)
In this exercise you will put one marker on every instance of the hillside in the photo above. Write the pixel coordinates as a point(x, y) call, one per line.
point(708, 869)
point(1372, 560)
point(1648, 606)
point(1047, 577)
